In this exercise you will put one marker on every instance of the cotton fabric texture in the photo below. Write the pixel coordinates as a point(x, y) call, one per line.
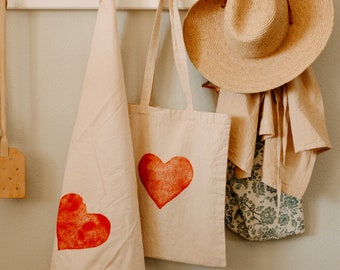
point(98, 223)
point(252, 46)
point(291, 121)
point(181, 158)
point(302, 132)
point(286, 127)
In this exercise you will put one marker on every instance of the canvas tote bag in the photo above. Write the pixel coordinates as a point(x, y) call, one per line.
point(181, 158)
point(98, 224)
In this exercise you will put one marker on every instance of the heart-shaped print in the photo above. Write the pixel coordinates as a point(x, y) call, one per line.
point(164, 181)
point(77, 229)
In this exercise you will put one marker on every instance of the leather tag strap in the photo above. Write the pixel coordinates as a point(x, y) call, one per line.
point(3, 134)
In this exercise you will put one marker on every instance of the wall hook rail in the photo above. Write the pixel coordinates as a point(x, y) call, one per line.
point(88, 4)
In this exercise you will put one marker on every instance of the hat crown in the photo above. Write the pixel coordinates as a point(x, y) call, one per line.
point(256, 28)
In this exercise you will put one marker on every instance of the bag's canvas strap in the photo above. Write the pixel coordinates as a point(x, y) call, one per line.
point(151, 58)
point(178, 51)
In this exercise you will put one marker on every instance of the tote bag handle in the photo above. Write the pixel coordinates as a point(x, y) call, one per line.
point(178, 51)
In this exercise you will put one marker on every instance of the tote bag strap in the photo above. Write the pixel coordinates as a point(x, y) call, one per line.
point(178, 51)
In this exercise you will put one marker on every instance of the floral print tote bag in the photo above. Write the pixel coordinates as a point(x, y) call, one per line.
point(252, 208)
point(181, 158)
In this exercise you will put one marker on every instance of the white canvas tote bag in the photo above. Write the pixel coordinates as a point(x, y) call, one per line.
point(181, 158)
point(98, 224)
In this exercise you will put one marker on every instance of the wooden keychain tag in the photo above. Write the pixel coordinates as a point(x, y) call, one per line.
point(12, 174)
point(12, 161)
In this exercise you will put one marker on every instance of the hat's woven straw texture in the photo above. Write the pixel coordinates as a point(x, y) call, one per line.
point(213, 52)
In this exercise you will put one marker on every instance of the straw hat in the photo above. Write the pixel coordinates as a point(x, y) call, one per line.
point(251, 46)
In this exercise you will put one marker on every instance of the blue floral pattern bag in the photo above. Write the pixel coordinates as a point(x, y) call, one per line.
point(251, 206)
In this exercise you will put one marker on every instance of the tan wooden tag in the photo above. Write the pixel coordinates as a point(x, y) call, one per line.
point(12, 174)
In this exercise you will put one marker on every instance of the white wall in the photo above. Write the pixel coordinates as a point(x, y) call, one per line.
point(47, 55)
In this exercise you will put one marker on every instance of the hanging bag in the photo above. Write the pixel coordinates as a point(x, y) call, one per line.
point(252, 208)
point(255, 210)
point(98, 224)
point(181, 158)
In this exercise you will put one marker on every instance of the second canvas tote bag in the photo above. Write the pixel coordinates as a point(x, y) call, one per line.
point(181, 158)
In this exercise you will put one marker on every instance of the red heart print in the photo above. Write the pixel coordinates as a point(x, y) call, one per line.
point(76, 229)
point(164, 181)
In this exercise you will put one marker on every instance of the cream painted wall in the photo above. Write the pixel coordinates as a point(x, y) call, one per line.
point(47, 55)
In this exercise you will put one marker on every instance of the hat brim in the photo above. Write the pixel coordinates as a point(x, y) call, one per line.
point(312, 23)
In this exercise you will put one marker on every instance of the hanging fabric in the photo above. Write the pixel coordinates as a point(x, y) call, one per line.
point(304, 135)
point(254, 210)
point(181, 158)
point(291, 131)
point(98, 223)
